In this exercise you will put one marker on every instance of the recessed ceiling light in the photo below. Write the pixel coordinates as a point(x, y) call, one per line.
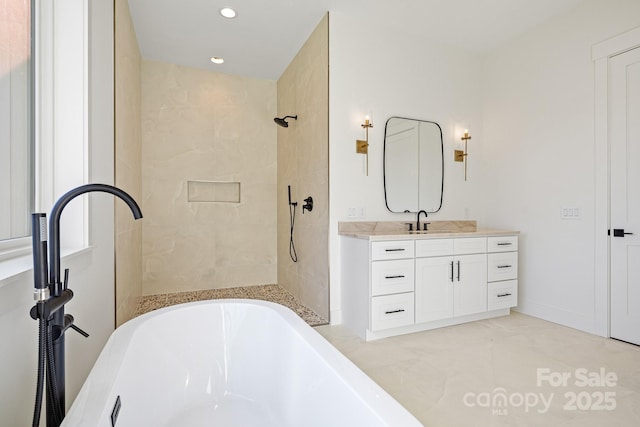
point(227, 12)
point(217, 60)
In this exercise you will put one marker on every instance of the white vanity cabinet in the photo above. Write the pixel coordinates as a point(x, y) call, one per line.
point(453, 283)
point(393, 287)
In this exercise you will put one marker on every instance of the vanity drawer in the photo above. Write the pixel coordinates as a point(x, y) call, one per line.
point(502, 244)
point(502, 266)
point(391, 311)
point(471, 245)
point(502, 295)
point(397, 249)
point(434, 247)
point(391, 277)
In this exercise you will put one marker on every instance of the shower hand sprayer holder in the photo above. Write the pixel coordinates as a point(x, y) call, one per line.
point(51, 295)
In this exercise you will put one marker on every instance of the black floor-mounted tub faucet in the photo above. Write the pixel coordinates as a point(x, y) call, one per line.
point(51, 295)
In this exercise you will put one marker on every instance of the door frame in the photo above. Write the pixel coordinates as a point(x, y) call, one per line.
point(600, 55)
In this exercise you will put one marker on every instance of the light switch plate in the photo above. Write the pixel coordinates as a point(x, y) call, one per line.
point(571, 213)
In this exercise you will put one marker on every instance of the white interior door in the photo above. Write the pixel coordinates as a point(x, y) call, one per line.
point(624, 137)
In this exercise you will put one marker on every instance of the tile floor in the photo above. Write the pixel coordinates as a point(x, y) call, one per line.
point(273, 293)
point(462, 375)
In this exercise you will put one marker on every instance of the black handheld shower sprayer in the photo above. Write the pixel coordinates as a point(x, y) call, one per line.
point(290, 203)
point(51, 295)
point(308, 206)
point(292, 221)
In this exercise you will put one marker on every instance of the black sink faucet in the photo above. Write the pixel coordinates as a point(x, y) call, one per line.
point(418, 221)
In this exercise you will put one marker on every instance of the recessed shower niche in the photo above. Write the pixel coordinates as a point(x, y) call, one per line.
point(214, 192)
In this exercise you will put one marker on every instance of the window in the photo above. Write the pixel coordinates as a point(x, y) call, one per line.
point(16, 122)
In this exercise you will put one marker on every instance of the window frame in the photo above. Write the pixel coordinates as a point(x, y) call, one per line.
point(60, 83)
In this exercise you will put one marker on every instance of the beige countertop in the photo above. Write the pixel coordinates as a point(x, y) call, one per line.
point(381, 235)
point(443, 229)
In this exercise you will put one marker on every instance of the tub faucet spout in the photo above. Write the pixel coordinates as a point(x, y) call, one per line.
point(56, 212)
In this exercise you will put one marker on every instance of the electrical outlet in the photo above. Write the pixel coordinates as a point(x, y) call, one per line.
point(362, 212)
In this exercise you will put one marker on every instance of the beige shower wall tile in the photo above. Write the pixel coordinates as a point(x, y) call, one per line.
point(254, 243)
point(129, 179)
point(205, 126)
point(313, 276)
point(288, 273)
point(316, 291)
point(303, 163)
point(313, 154)
point(316, 184)
point(178, 258)
point(128, 158)
point(244, 275)
point(128, 273)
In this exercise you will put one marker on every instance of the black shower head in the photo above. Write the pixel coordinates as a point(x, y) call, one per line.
point(283, 121)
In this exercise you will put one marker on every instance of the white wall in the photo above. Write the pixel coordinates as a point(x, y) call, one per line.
point(539, 143)
point(387, 73)
point(91, 275)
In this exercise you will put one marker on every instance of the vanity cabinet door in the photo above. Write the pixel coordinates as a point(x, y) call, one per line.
point(470, 284)
point(434, 288)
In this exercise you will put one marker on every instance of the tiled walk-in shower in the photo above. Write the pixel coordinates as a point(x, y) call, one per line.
point(272, 293)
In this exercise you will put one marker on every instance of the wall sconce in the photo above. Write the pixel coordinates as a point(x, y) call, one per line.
point(362, 146)
point(461, 156)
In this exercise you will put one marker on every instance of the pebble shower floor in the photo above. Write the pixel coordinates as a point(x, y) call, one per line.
point(272, 293)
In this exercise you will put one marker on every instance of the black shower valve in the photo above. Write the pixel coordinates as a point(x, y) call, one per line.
point(308, 204)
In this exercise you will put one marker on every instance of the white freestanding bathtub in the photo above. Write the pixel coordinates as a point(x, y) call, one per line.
point(228, 363)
